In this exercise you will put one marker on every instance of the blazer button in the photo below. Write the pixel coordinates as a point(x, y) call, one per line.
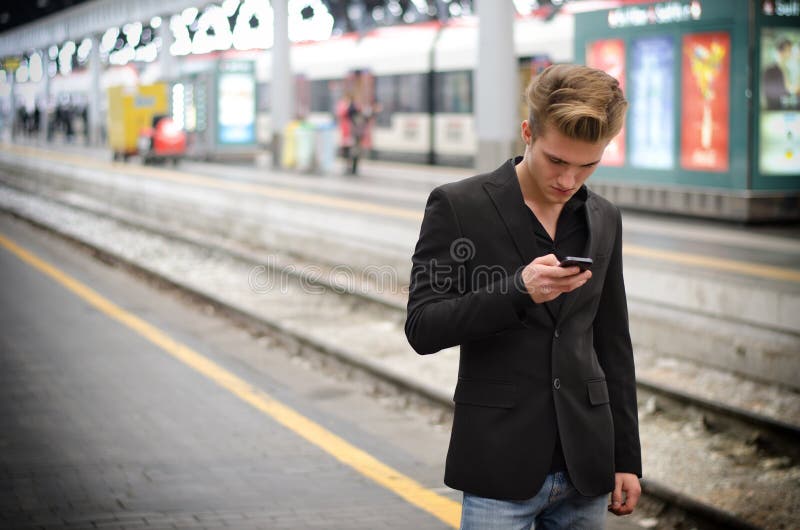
point(556, 383)
point(557, 334)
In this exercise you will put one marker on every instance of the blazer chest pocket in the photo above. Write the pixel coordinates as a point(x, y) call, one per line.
point(598, 392)
point(485, 393)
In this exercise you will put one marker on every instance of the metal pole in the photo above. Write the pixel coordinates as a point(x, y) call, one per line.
point(12, 95)
point(95, 94)
point(495, 84)
point(44, 116)
point(281, 83)
point(169, 66)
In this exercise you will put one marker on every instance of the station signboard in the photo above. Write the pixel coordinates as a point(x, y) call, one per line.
point(609, 55)
point(779, 121)
point(236, 103)
point(705, 100)
point(651, 119)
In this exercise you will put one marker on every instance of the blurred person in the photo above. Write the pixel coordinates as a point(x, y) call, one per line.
point(21, 125)
point(83, 114)
point(37, 116)
point(69, 128)
point(345, 124)
point(545, 423)
point(354, 122)
point(360, 117)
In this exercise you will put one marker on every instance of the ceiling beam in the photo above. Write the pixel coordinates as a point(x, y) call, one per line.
point(90, 18)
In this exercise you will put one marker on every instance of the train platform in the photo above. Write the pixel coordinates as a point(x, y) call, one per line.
point(282, 250)
point(125, 406)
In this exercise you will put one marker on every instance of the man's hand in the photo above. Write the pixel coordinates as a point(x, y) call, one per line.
point(627, 483)
point(545, 280)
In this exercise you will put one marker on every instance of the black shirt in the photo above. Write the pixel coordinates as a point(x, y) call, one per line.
point(572, 234)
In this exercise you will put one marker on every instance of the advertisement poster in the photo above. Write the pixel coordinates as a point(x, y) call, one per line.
point(236, 104)
point(780, 102)
point(706, 102)
point(651, 123)
point(609, 56)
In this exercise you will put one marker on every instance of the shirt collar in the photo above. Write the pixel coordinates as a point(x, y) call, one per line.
point(578, 201)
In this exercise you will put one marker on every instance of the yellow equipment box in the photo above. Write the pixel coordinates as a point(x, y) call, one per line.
point(131, 109)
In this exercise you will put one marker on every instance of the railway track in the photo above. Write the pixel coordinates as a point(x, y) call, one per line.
point(350, 317)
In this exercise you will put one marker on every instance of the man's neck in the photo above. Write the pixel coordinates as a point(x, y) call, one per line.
point(547, 213)
point(547, 216)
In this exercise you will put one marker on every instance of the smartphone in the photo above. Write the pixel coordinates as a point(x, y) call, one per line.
point(573, 261)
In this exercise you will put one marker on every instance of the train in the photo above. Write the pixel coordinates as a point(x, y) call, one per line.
point(420, 75)
point(421, 78)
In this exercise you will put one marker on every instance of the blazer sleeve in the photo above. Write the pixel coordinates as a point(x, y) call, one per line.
point(443, 308)
point(612, 343)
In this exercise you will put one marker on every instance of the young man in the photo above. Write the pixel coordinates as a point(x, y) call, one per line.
point(545, 421)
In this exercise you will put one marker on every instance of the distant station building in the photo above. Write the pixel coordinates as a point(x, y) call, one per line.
point(714, 85)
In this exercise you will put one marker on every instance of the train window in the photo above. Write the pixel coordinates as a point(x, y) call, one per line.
point(400, 93)
point(321, 100)
point(335, 93)
point(453, 92)
point(412, 91)
point(385, 95)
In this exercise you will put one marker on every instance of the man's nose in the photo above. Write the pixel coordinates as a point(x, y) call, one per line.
point(568, 177)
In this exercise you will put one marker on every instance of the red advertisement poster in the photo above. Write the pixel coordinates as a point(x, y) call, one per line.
point(705, 96)
point(609, 56)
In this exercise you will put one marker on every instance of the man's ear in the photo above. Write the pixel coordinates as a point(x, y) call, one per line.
point(525, 132)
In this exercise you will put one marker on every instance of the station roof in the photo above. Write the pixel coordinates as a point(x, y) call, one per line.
point(87, 18)
point(41, 23)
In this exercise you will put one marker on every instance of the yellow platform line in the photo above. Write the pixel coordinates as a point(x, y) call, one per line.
point(443, 508)
point(712, 263)
point(679, 258)
point(263, 190)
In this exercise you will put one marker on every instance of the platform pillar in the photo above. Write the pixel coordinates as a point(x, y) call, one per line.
point(281, 84)
point(44, 99)
point(495, 85)
point(95, 94)
point(169, 67)
point(11, 76)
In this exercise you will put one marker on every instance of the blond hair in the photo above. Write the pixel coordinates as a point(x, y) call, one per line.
point(580, 102)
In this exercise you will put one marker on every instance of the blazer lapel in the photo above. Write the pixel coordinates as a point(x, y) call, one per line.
point(593, 224)
point(503, 189)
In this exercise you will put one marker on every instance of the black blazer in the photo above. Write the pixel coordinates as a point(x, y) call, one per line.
point(522, 370)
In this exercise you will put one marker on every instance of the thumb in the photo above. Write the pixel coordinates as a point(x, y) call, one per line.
point(549, 259)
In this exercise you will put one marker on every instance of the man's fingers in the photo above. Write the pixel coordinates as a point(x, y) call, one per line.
point(548, 266)
point(622, 510)
point(632, 494)
point(556, 271)
point(616, 495)
point(632, 490)
point(545, 280)
point(570, 283)
point(581, 279)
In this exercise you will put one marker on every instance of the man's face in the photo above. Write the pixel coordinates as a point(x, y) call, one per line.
point(558, 165)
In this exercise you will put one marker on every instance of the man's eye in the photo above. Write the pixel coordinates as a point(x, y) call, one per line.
point(556, 161)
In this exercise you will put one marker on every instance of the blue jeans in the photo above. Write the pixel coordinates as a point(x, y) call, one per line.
point(558, 505)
